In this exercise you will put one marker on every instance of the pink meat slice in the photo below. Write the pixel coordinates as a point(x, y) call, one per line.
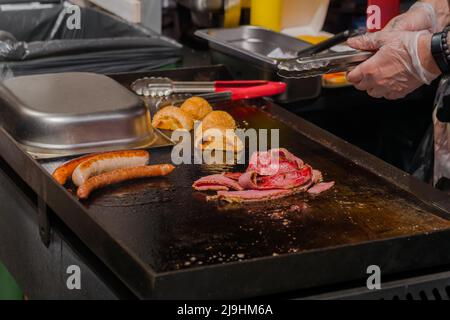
point(317, 176)
point(270, 175)
point(216, 182)
point(281, 180)
point(233, 175)
point(273, 162)
point(251, 195)
point(248, 180)
point(257, 195)
point(211, 187)
point(321, 187)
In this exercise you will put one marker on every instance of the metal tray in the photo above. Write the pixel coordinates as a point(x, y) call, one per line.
point(73, 113)
point(252, 44)
point(163, 240)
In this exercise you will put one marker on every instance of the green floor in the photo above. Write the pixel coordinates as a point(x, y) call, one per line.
point(8, 287)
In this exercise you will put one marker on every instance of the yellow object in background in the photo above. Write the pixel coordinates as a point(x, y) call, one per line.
point(267, 14)
point(246, 4)
point(313, 39)
point(232, 14)
point(292, 17)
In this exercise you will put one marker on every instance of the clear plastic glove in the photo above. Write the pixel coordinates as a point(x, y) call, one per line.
point(399, 66)
point(421, 16)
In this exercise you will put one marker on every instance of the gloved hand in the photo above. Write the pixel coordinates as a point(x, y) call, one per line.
point(421, 16)
point(403, 63)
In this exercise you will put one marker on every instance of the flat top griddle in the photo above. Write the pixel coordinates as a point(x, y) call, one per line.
point(172, 226)
point(165, 241)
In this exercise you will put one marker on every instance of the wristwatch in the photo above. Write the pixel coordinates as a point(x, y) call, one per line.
point(440, 49)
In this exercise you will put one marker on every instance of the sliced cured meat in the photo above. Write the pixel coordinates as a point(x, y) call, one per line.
point(248, 180)
point(216, 182)
point(250, 195)
point(211, 187)
point(233, 175)
point(273, 162)
point(317, 176)
point(321, 187)
point(282, 180)
point(270, 175)
point(257, 195)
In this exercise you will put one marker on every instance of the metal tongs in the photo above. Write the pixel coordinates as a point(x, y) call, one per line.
point(310, 62)
point(243, 89)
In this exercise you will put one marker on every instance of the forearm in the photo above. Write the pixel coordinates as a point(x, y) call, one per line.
point(442, 9)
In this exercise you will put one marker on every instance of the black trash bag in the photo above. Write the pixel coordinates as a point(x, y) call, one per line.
point(39, 41)
point(41, 49)
point(30, 25)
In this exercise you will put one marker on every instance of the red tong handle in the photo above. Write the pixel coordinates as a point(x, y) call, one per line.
point(249, 89)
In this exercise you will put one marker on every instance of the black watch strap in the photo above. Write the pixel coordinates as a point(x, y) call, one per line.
point(441, 51)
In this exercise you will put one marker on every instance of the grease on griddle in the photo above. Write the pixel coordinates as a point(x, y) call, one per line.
point(279, 216)
point(134, 193)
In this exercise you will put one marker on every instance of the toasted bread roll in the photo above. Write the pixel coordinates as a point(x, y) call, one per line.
point(222, 139)
point(218, 119)
point(172, 118)
point(197, 107)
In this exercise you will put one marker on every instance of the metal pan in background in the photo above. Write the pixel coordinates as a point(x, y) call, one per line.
point(253, 53)
point(54, 115)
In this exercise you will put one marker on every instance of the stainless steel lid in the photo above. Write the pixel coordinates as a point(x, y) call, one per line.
point(73, 113)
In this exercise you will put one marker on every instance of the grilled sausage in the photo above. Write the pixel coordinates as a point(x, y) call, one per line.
point(121, 175)
point(64, 172)
point(106, 162)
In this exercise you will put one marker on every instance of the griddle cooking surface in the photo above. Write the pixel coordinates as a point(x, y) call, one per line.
point(169, 226)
